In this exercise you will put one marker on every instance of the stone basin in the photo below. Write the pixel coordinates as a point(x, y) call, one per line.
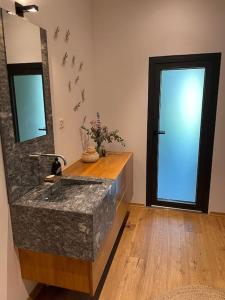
point(70, 217)
point(67, 188)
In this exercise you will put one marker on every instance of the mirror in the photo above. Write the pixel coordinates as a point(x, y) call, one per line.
point(25, 104)
point(24, 64)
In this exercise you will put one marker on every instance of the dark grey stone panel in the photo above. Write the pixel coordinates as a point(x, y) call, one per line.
point(74, 223)
point(23, 173)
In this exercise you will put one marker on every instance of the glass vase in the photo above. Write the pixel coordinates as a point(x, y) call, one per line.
point(101, 150)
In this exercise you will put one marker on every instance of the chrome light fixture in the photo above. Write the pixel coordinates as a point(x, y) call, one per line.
point(21, 9)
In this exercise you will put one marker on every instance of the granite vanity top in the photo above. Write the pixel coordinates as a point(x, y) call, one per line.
point(70, 217)
point(72, 194)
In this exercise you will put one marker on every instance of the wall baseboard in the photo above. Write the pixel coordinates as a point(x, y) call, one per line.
point(215, 213)
point(36, 291)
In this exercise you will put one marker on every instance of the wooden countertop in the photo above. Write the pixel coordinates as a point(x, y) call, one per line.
point(106, 167)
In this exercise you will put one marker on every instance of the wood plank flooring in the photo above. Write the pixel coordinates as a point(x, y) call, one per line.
point(160, 250)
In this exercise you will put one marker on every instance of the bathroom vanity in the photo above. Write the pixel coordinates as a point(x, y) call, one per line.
point(67, 242)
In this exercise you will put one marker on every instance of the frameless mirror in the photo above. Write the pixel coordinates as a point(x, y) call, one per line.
point(24, 63)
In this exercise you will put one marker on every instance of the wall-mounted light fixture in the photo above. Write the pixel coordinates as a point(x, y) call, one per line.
point(21, 9)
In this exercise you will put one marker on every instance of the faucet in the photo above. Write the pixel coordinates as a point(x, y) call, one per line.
point(37, 155)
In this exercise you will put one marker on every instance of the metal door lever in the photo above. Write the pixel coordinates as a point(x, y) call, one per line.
point(159, 132)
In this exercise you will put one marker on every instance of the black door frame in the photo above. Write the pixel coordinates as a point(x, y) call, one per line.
point(211, 62)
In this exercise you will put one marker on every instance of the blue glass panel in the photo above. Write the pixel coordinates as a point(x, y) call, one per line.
point(180, 117)
point(30, 106)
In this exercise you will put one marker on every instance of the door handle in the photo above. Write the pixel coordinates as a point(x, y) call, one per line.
point(156, 132)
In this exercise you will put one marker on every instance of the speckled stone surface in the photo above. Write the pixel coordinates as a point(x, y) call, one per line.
point(70, 218)
point(22, 172)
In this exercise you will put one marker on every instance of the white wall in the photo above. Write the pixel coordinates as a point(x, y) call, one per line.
point(76, 16)
point(126, 34)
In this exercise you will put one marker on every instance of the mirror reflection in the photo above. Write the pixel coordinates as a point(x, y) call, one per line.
point(24, 62)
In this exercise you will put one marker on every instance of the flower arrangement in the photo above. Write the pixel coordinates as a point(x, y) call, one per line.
point(100, 134)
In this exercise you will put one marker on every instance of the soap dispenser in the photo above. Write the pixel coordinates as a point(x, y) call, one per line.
point(56, 167)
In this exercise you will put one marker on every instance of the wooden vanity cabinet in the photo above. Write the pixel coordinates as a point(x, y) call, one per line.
point(73, 274)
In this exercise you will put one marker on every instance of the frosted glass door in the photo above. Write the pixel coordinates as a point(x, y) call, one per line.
point(181, 97)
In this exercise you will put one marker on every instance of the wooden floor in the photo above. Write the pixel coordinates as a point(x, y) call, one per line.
point(160, 250)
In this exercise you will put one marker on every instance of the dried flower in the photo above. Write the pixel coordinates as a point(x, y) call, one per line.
point(101, 134)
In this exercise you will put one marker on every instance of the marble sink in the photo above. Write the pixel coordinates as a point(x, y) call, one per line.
point(70, 217)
